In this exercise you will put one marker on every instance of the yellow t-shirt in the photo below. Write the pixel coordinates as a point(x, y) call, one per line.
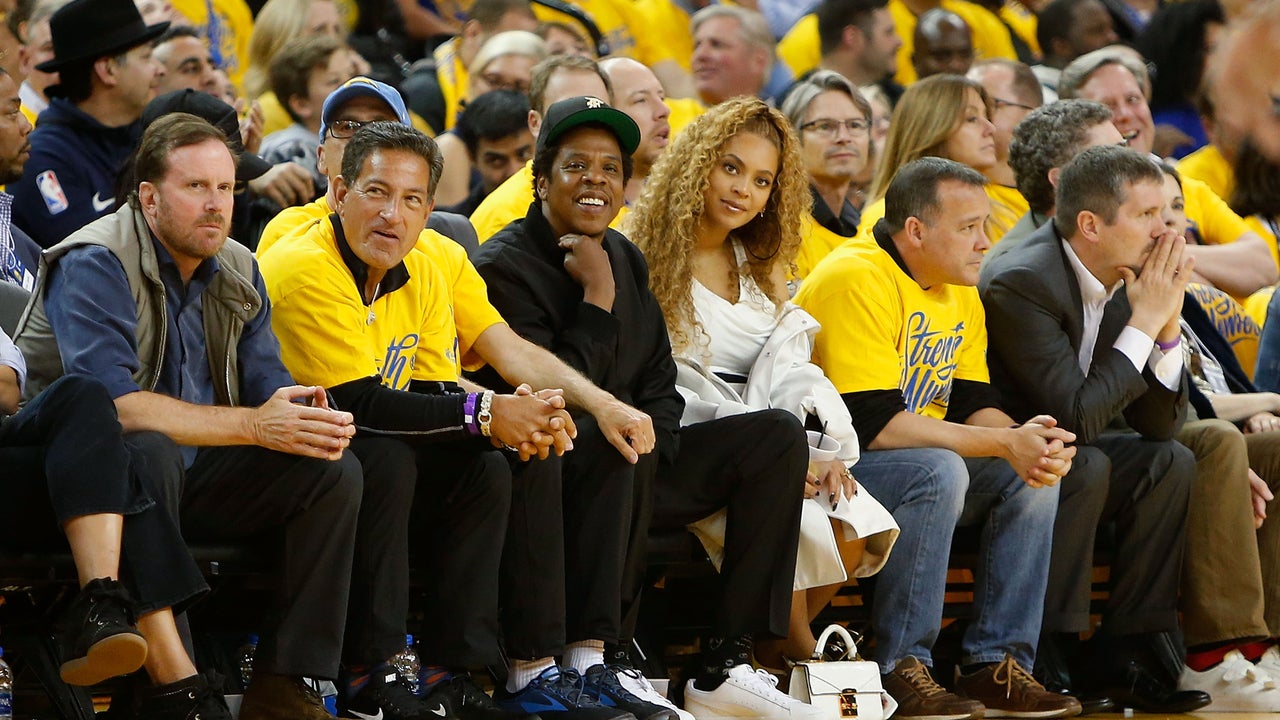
point(1232, 322)
point(1007, 205)
point(683, 112)
point(1023, 21)
point(800, 49)
point(510, 201)
point(292, 221)
point(667, 21)
point(228, 31)
point(423, 330)
point(452, 76)
point(990, 36)
point(627, 32)
point(1218, 224)
point(28, 113)
point(881, 330)
point(816, 242)
point(1209, 167)
point(871, 214)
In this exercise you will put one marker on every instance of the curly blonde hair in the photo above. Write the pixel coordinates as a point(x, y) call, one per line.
point(665, 219)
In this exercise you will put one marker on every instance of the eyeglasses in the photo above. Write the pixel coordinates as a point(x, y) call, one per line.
point(827, 127)
point(343, 129)
point(1000, 102)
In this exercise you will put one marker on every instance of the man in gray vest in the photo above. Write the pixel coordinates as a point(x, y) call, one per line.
point(153, 302)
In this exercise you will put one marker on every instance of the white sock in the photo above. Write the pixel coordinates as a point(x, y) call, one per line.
point(584, 654)
point(522, 672)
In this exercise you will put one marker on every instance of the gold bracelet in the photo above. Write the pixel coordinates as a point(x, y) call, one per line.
point(485, 416)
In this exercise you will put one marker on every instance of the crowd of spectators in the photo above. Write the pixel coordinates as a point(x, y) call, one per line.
point(493, 291)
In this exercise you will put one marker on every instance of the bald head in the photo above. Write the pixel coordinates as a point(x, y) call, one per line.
point(943, 44)
point(637, 92)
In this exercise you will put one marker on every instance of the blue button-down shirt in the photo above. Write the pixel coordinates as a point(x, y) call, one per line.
point(94, 318)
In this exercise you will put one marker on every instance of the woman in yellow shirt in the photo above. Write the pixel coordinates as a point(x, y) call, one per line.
point(946, 116)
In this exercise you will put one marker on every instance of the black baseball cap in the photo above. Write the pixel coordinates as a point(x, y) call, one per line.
point(575, 112)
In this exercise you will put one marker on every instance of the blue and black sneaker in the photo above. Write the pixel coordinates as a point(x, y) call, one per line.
point(558, 694)
point(604, 686)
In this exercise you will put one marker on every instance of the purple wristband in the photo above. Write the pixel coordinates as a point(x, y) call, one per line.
point(469, 414)
point(1166, 347)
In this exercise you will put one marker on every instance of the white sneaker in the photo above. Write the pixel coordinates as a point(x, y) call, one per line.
point(747, 693)
point(1270, 662)
point(634, 682)
point(1235, 684)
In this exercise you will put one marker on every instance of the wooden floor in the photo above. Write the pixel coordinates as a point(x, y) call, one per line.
point(1199, 715)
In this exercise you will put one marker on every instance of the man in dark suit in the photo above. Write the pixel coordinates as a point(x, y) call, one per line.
point(1066, 339)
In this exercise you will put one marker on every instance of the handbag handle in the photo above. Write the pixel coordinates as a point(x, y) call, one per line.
point(851, 648)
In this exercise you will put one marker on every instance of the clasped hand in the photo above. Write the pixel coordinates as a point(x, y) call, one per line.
point(1039, 453)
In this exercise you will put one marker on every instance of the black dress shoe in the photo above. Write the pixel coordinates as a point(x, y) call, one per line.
point(1140, 689)
point(1090, 702)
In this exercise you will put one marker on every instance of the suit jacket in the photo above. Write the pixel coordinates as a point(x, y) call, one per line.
point(1034, 328)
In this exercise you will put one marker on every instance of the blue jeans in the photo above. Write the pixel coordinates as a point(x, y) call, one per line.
point(930, 491)
point(1266, 375)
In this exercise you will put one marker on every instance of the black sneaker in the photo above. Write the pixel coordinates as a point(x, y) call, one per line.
point(98, 635)
point(603, 686)
point(385, 696)
point(198, 697)
point(558, 694)
point(460, 697)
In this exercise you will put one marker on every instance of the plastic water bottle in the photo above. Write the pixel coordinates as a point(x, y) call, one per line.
point(246, 660)
point(407, 665)
point(6, 689)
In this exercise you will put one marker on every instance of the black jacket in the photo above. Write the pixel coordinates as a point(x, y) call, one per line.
point(626, 352)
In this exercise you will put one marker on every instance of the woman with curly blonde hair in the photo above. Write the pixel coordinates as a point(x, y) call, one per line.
point(719, 223)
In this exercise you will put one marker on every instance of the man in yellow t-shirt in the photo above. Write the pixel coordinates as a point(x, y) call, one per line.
point(385, 319)
point(903, 339)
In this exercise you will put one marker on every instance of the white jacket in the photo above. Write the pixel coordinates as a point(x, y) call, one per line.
point(782, 377)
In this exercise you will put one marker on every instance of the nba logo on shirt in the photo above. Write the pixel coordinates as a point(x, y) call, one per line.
point(51, 191)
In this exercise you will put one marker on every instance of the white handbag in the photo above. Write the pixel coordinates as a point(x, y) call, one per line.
point(845, 688)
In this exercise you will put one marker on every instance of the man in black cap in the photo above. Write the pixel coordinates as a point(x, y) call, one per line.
point(102, 53)
point(567, 282)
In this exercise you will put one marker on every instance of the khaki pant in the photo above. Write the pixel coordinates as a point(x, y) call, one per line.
point(1264, 458)
point(1222, 582)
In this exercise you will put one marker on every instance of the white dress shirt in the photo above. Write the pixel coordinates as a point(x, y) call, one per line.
point(1140, 348)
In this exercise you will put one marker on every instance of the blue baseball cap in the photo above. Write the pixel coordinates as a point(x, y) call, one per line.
point(361, 86)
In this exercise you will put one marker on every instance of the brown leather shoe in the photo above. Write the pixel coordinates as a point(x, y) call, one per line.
point(279, 697)
point(1007, 690)
point(920, 698)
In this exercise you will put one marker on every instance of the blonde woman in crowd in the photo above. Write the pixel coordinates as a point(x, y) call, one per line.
point(944, 116)
point(504, 62)
point(718, 223)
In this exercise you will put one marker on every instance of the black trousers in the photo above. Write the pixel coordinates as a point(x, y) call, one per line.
point(1142, 488)
point(562, 567)
point(64, 457)
point(309, 507)
point(458, 525)
point(753, 464)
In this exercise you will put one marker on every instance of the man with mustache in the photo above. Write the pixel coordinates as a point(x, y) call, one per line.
point(157, 305)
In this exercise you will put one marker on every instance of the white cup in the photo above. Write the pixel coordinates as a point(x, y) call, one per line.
point(822, 448)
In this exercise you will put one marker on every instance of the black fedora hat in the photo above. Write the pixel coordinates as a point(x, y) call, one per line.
point(84, 30)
